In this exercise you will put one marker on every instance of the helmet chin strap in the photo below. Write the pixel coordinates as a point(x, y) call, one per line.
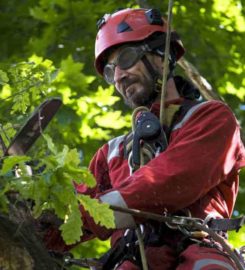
point(156, 77)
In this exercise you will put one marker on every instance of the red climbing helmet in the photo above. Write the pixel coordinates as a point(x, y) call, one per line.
point(130, 25)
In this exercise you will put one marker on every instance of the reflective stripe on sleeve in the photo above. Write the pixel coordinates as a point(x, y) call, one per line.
point(114, 147)
point(122, 220)
point(189, 114)
point(211, 262)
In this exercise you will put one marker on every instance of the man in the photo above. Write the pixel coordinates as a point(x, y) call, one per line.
point(197, 173)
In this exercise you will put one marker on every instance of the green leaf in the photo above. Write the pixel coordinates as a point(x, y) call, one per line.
point(104, 96)
point(111, 117)
point(61, 195)
point(11, 161)
point(72, 158)
point(69, 66)
point(61, 156)
point(21, 103)
point(71, 230)
point(88, 177)
point(3, 77)
point(79, 175)
point(3, 198)
point(4, 203)
point(8, 132)
point(53, 75)
point(100, 212)
point(50, 143)
point(237, 238)
point(39, 193)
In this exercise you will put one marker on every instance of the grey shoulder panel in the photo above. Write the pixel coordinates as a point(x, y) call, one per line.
point(213, 263)
point(189, 114)
point(114, 147)
point(122, 220)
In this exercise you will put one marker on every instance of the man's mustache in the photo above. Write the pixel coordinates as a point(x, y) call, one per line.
point(126, 83)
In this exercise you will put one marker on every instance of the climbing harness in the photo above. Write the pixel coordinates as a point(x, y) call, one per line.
point(127, 247)
point(197, 228)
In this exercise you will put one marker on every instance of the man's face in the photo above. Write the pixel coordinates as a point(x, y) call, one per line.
point(134, 84)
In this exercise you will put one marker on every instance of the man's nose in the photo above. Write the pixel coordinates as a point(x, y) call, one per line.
point(119, 74)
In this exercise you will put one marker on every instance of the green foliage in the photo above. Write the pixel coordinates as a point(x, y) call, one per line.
point(28, 80)
point(3, 77)
point(49, 188)
point(47, 49)
point(11, 161)
point(237, 239)
point(90, 249)
point(71, 229)
point(100, 212)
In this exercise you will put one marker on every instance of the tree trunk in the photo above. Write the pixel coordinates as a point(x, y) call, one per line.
point(20, 246)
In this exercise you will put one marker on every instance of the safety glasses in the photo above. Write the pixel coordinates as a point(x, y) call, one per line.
point(126, 58)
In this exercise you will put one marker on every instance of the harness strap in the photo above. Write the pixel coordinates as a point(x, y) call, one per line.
point(124, 249)
point(173, 118)
point(226, 224)
point(127, 248)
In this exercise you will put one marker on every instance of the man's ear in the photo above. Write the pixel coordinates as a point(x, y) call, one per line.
point(157, 61)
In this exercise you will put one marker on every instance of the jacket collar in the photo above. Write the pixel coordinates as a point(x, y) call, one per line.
point(171, 107)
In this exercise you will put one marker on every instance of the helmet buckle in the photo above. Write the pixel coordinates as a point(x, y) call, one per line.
point(154, 16)
point(103, 20)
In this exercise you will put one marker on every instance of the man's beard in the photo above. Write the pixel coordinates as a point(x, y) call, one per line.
point(143, 92)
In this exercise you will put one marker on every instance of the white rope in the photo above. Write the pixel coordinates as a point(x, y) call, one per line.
point(166, 63)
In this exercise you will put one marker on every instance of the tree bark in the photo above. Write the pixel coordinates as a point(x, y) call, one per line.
point(20, 246)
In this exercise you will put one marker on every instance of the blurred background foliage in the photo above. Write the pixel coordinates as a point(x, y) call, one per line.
point(47, 50)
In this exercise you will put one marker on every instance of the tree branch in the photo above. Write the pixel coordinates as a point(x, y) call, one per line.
point(202, 84)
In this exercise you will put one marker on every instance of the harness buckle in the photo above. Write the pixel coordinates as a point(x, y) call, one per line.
point(177, 221)
point(187, 226)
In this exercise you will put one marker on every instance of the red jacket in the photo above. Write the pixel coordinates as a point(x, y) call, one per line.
point(198, 171)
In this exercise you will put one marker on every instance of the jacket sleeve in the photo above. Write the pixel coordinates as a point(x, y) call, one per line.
point(200, 155)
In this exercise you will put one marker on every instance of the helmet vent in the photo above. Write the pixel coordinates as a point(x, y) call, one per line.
point(123, 27)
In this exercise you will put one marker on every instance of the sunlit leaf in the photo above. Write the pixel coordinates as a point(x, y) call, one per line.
point(113, 120)
point(3, 77)
point(71, 230)
point(233, 12)
point(11, 161)
point(237, 239)
point(79, 175)
point(50, 143)
point(99, 211)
